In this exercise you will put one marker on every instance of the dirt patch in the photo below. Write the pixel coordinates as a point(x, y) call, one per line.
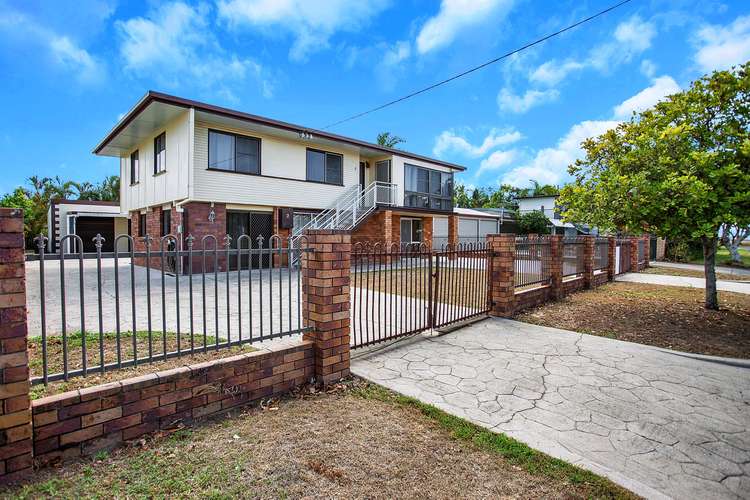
point(323, 446)
point(664, 316)
point(155, 344)
point(689, 273)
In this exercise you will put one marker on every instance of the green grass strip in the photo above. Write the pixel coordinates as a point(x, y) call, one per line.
point(514, 451)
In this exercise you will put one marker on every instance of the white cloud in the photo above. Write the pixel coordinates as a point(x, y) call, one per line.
point(630, 38)
point(63, 51)
point(552, 72)
point(176, 43)
point(721, 47)
point(508, 101)
point(455, 17)
point(648, 68)
point(497, 160)
point(549, 165)
point(646, 98)
point(310, 23)
point(450, 141)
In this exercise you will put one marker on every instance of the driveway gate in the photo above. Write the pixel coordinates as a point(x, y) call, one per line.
point(406, 289)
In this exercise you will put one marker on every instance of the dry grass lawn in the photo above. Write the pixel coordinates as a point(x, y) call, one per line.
point(664, 316)
point(357, 441)
point(55, 357)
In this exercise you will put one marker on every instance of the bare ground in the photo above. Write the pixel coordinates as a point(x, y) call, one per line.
point(333, 445)
point(665, 316)
point(689, 273)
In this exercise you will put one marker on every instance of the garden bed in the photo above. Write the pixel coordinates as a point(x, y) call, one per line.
point(356, 440)
point(665, 316)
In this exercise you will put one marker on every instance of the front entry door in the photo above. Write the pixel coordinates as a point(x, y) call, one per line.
point(362, 171)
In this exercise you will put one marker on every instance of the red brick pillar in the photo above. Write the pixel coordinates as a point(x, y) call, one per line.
point(556, 271)
point(611, 258)
point(502, 273)
point(325, 301)
point(647, 249)
point(453, 230)
point(15, 420)
point(633, 254)
point(588, 260)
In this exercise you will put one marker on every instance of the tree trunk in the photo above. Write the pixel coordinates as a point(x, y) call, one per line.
point(709, 267)
point(734, 251)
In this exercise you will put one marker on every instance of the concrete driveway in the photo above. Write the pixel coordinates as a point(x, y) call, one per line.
point(658, 422)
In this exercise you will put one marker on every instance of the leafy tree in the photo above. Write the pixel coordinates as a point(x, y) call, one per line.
point(679, 170)
point(533, 222)
point(389, 140)
point(731, 237)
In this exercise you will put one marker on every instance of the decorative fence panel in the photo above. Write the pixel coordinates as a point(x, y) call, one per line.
point(532, 262)
point(403, 290)
point(601, 254)
point(573, 264)
point(103, 311)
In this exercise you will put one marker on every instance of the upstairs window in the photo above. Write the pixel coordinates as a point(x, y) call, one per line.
point(325, 167)
point(427, 188)
point(233, 153)
point(160, 153)
point(134, 168)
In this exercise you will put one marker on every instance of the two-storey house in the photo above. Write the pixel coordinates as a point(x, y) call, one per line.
point(193, 168)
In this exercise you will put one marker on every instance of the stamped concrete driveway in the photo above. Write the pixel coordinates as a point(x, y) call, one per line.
point(658, 422)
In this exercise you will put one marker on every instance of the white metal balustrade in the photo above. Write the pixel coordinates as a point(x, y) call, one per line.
point(349, 209)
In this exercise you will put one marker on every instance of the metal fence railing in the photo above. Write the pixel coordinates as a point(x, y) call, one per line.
point(110, 310)
point(573, 262)
point(601, 254)
point(533, 262)
point(641, 251)
point(625, 249)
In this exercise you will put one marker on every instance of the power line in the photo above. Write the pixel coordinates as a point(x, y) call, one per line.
point(483, 65)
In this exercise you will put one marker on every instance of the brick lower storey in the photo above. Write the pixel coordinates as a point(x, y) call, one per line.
point(207, 223)
point(82, 422)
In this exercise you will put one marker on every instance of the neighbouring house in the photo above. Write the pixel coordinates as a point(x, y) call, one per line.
point(548, 206)
point(190, 168)
point(86, 218)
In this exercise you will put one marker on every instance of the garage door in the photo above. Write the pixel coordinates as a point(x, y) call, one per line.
point(475, 230)
point(88, 227)
point(439, 232)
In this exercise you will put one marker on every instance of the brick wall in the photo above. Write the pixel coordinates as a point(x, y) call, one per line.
point(427, 232)
point(15, 420)
point(85, 421)
point(377, 228)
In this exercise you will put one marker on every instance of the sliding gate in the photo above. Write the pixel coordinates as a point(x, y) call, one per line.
point(406, 289)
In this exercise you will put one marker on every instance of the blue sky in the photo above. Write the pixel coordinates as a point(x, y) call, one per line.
point(71, 69)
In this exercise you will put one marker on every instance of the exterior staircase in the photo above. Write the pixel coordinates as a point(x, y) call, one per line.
point(352, 207)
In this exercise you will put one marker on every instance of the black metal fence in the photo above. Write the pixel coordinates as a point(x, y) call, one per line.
point(573, 261)
point(533, 262)
point(401, 290)
point(625, 248)
point(601, 254)
point(641, 251)
point(157, 301)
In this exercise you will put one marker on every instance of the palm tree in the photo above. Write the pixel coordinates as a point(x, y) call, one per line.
point(389, 140)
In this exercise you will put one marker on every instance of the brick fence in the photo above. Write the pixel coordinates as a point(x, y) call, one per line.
point(507, 301)
point(84, 421)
